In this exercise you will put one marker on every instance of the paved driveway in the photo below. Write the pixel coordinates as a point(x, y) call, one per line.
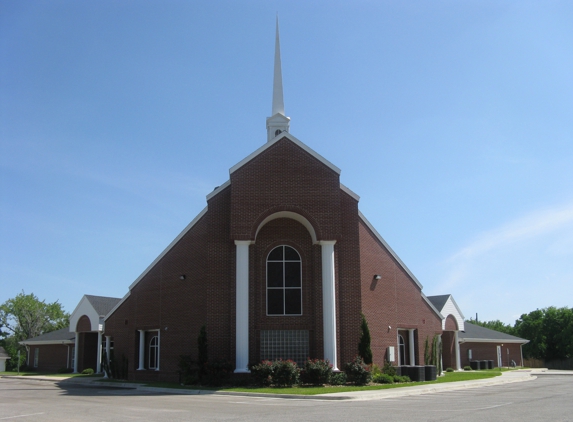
point(548, 398)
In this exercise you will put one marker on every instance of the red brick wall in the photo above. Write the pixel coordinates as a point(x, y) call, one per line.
point(488, 351)
point(451, 323)
point(282, 178)
point(84, 324)
point(285, 178)
point(448, 350)
point(393, 301)
point(52, 357)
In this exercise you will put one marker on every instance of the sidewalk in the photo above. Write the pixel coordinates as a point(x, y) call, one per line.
point(519, 375)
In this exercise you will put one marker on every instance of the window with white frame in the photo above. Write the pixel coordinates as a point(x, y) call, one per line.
point(73, 357)
point(284, 282)
point(154, 353)
point(36, 357)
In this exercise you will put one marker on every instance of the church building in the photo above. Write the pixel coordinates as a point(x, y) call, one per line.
point(280, 264)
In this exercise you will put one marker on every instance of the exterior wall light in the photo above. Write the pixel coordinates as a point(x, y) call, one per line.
point(377, 276)
point(182, 277)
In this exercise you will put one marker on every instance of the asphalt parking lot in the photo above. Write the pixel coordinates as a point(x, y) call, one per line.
point(546, 398)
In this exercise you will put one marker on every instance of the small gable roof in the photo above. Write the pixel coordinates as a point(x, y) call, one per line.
point(448, 306)
point(102, 304)
point(439, 301)
point(62, 336)
point(478, 334)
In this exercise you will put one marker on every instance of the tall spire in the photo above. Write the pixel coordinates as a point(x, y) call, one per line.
point(278, 103)
point(278, 122)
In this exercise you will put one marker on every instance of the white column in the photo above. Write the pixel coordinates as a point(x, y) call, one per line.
point(76, 352)
point(457, 348)
point(329, 302)
point(158, 349)
point(242, 307)
point(412, 348)
point(141, 350)
point(98, 365)
point(107, 351)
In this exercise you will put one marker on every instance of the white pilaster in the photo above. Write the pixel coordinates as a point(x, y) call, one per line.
point(107, 351)
point(412, 348)
point(76, 352)
point(242, 307)
point(98, 364)
point(158, 349)
point(141, 350)
point(329, 302)
point(457, 348)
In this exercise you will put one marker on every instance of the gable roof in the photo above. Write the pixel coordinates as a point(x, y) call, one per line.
point(478, 334)
point(102, 304)
point(294, 140)
point(439, 301)
point(62, 336)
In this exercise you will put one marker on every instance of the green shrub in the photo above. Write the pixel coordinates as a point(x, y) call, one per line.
point(358, 372)
point(388, 369)
point(88, 371)
point(383, 379)
point(375, 370)
point(285, 373)
point(316, 372)
point(364, 349)
point(403, 378)
point(449, 369)
point(338, 378)
point(467, 368)
point(263, 373)
point(65, 370)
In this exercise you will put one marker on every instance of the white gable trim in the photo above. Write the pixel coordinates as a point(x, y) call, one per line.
point(87, 309)
point(123, 299)
point(493, 340)
point(219, 189)
point(167, 249)
point(45, 342)
point(274, 141)
point(452, 308)
point(387, 246)
point(349, 192)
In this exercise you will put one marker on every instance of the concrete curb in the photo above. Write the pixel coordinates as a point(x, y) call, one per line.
point(504, 378)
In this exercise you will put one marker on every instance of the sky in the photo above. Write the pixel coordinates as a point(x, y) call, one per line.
point(452, 120)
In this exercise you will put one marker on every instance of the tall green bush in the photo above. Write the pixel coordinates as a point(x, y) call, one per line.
point(364, 349)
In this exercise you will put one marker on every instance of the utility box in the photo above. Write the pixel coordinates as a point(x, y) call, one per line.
point(390, 354)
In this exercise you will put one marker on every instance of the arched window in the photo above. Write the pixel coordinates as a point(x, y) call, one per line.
point(277, 132)
point(284, 282)
point(402, 347)
point(154, 353)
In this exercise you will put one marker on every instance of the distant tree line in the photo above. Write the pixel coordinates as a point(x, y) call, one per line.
point(549, 331)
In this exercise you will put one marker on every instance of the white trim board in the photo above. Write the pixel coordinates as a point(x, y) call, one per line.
point(156, 260)
point(274, 141)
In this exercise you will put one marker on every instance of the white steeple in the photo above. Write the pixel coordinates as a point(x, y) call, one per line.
point(278, 122)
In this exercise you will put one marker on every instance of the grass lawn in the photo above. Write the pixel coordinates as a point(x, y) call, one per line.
point(447, 377)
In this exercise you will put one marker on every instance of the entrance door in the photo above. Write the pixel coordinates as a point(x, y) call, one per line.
point(499, 362)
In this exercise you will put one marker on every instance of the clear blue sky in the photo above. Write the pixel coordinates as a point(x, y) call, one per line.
point(453, 120)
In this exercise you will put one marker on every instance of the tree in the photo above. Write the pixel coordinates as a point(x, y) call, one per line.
point(549, 331)
point(364, 349)
point(496, 325)
point(24, 317)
